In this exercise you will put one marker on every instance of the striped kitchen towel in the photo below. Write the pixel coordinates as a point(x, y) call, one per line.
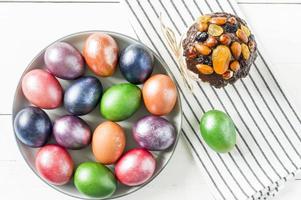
point(268, 150)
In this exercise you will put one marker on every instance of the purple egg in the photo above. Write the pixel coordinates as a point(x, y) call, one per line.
point(72, 132)
point(136, 63)
point(32, 126)
point(64, 61)
point(83, 95)
point(154, 133)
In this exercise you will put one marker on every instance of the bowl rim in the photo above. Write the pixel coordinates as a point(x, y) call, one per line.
point(164, 65)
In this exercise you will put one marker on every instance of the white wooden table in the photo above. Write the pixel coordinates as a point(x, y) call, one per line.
point(26, 27)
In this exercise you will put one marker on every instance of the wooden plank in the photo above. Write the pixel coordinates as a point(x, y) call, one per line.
point(268, 1)
point(291, 191)
point(118, 1)
point(278, 35)
point(61, 1)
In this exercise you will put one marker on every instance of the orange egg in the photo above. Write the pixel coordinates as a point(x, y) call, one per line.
point(159, 94)
point(101, 53)
point(108, 142)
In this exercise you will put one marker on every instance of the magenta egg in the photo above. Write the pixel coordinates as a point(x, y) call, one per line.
point(72, 132)
point(54, 164)
point(154, 133)
point(64, 61)
point(135, 167)
point(42, 89)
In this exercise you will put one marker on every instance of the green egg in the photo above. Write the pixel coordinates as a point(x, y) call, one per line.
point(120, 102)
point(218, 131)
point(94, 180)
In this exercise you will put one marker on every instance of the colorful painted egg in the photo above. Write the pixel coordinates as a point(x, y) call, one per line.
point(94, 180)
point(42, 89)
point(154, 133)
point(71, 132)
point(159, 94)
point(83, 95)
point(136, 63)
point(218, 131)
point(54, 164)
point(108, 142)
point(101, 54)
point(32, 126)
point(135, 167)
point(64, 61)
point(120, 102)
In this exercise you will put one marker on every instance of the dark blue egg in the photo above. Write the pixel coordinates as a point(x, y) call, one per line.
point(32, 126)
point(83, 95)
point(136, 63)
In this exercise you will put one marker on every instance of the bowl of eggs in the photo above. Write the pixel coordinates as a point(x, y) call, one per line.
point(97, 115)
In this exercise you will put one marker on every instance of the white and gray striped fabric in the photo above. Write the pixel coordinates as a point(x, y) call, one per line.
point(268, 147)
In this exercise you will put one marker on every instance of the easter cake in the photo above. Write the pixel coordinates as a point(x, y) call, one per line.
point(220, 48)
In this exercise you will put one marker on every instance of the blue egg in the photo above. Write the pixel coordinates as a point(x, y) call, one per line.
point(83, 95)
point(32, 126)
point(136, 63)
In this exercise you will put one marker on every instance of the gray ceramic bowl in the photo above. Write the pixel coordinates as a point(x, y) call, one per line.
point(94, 118)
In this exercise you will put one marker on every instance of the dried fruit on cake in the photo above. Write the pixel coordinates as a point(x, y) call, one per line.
point(220, 48)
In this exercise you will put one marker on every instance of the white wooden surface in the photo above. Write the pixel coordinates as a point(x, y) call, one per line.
point(27, 27)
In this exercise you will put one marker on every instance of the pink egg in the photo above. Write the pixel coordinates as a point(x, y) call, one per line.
point(136, 167)
point(54, 164)
point(42, 89)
